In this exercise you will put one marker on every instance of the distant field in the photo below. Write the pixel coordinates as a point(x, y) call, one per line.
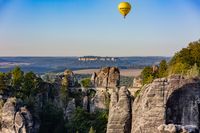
point(123, 72)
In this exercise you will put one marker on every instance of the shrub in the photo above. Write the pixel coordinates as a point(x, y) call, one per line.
point(86, 83)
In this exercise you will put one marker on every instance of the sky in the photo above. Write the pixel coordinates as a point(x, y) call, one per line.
point(95, 27)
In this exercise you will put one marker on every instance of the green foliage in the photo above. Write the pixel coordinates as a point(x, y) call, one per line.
point(100, 120)
point(178, 68)
point(162, 72)
point(86, 83)
point(82, 121)
point(51, 119)
point(2, 83)
point(193, 72)
point(137, 93)
point(91, 93)
point(147, 75)
point(65, 81)
point(92, 130)
point(185, 62)
point(28, 84)
point(17, 77)
point(185, 59)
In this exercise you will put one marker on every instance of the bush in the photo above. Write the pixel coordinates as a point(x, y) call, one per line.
point(86, 83)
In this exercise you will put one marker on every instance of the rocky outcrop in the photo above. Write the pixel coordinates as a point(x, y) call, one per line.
point(171, 128)
point(85, 103)
point(120, 112)
point(69, 79)
point(107, 77)
point(15, 120)
point(100, 101)
point(71, 107)
point(172, 100)
point(8, 116)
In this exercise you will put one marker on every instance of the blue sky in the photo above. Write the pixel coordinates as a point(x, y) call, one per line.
point(95, 27)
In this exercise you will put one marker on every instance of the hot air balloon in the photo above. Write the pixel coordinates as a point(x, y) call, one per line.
point(124, 8)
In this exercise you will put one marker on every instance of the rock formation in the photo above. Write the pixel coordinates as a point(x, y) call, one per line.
point(69, 79)
point(120, 112)
point(71, 107)
point(100, 101)
point(15, 120)
point(107, 77)
point(171, 128)
point(167, 105)
point(173, 100)
point(85, 103)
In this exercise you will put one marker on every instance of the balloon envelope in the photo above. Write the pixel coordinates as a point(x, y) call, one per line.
point(124, 8)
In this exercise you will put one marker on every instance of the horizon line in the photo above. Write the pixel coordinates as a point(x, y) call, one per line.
point(80, 56)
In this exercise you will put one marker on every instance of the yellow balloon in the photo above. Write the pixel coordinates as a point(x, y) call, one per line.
point(124, 8)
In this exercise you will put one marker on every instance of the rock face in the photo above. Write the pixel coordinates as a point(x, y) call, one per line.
point(71, 107)
point(108, 77)
point(85, 103)
point(171, 128)
point(14, 121)
point(120, 112)
point(100, 101)
point(173, 100)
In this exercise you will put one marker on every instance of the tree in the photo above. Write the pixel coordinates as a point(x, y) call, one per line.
point(147, 75)
point(51, 119)
point(92, 130)
point(162, 72)
point(193, 72)
point(80, 121)
point(188, 56)
point(2, 83)
point(29, 83)
point(178, 68)
point(17, 77)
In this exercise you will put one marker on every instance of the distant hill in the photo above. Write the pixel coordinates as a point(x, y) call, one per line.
point(1, 60)
point(59, 64)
